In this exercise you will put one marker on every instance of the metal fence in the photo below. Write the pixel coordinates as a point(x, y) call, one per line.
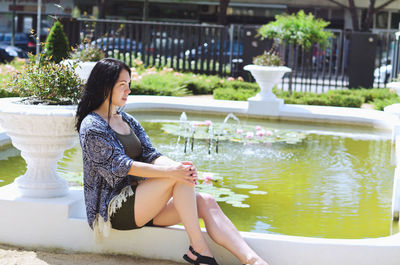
point(220, 50)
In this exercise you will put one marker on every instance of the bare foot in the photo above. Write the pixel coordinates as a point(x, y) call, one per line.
point(255, 261)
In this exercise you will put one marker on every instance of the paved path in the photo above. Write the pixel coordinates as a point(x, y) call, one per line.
point(16, 256)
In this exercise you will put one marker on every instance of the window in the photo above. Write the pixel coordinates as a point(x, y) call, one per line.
point(395, 21)
point(381, 20)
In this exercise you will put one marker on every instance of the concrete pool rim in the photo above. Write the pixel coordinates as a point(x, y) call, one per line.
point(66, 212)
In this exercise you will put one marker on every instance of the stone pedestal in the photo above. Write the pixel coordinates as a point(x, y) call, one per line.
point(42, 133)
point(84, 69)
point(265, 102)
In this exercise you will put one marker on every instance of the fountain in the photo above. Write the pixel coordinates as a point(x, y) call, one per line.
point(214, 133)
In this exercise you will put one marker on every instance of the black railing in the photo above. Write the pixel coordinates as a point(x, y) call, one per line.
point(186, 47)
point(223, 50)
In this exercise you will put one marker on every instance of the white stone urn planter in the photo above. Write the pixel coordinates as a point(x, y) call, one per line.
point(395, 86)
point(265, 102)
point(42, 133)
point(395, 108)
point(83, 69)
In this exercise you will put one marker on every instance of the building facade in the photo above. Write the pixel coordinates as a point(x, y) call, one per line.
point(244, 12)
point(191, 11)
point(26, 13)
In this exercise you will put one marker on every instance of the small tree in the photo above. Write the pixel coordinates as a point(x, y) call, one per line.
point(57, 45)
point(301, 29)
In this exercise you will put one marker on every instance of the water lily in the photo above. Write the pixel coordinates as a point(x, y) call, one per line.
point(208, 179)
point(196, 123)
point(258, 128)
point(239, 131)
point(207, 123)
point(269, 133)
point(249, 135)
point(260, 133)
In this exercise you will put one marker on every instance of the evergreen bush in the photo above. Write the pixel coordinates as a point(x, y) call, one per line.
point(57, 45)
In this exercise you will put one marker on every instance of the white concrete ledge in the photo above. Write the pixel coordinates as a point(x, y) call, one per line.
point(61, 222)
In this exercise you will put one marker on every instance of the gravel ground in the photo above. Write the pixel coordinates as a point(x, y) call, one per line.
point(10, 255)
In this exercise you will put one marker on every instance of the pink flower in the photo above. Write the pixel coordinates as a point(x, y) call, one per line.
point(207, 123)
point(239, 131)
point(207, 179)
point(196, 123)
point(249, 135)
point(260, 133)
point(268, 133)
point(258, 128)
point(268, 144)
point(230, 78)
point(240, 78)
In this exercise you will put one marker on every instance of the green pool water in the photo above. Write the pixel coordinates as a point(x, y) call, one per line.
point(335, 183)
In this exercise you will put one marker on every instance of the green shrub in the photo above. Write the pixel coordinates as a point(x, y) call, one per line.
point(229, 93)
point(47, 82)
point(90, 53)
point(374, 94)
point(241, 85)
point(236, 90)
point(200, 84)
point(57, 45)
point(159, 84)
point(6, 94)
point(380, 104)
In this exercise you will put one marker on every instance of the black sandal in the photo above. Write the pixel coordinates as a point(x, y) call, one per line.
point(200, 258)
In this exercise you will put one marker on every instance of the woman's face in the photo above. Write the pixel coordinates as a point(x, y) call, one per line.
point(121, 89)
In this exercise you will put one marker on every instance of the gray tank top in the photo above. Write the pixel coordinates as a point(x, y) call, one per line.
point(133, 149)
point(131, 144)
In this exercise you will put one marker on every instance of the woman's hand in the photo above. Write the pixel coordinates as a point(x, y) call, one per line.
point(193, 170)
point(185, 172)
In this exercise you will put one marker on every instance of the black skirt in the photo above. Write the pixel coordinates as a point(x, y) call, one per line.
point(124, 217)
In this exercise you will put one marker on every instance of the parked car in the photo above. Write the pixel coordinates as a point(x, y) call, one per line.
point(8, 53)
point(212, 48)
point(22, 40)
point(168, 47)
point(120, 44)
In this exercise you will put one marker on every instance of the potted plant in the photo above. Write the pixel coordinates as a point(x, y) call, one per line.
point(296, 29)
point(86, 58)
point(41, 123)
point(394, 108)
point(267, 69)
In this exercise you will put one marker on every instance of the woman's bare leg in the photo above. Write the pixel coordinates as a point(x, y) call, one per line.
point(218, 226)
point(153, 195)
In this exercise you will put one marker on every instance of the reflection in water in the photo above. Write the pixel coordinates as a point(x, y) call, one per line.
point(325, 186)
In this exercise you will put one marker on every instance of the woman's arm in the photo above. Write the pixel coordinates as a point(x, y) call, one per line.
point(178, 171)
point(164, 161)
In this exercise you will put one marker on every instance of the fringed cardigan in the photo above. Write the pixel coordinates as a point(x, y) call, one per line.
point(105, 168)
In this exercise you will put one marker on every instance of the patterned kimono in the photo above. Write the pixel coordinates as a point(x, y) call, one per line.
point(106, 167)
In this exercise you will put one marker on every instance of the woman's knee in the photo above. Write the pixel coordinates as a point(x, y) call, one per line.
point(205, 202)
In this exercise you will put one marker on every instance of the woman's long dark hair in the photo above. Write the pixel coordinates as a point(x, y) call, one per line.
point(98, 86)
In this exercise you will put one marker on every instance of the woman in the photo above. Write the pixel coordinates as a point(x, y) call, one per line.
point(128, 184)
